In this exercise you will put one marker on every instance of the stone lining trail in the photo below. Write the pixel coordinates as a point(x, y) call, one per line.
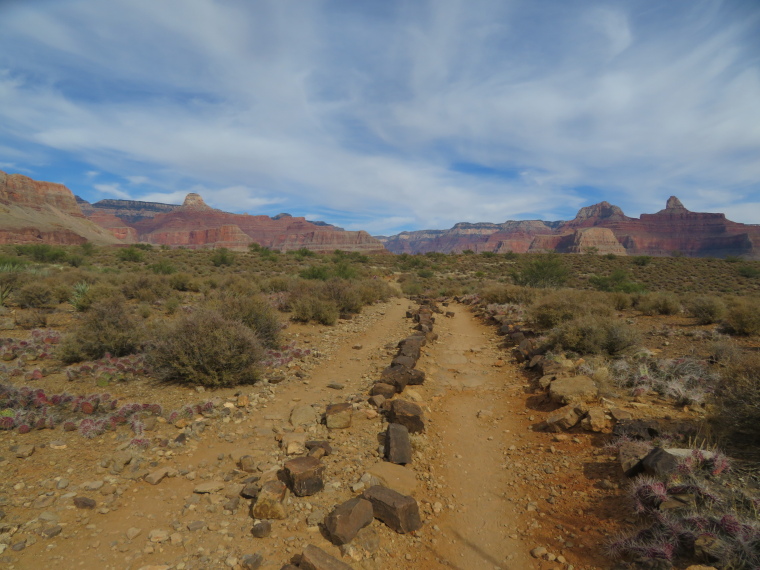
point(474, 470)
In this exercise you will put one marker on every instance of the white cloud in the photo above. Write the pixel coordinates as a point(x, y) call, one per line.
point(362, 110)
point(112, 190)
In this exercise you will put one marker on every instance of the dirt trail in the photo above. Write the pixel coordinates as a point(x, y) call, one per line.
point(472, 490)
point(473, 423)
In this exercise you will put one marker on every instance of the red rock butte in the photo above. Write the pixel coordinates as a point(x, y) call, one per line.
point(601, 228)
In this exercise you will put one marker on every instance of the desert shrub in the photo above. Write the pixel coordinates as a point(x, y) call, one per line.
point(642, 260)
point(42, 252)
point(412, 287)
point(277, 284)
point(106, 328)
point(706, 309)
point(78, 297)
point(546, 270)
point(222, 257)
point(559, 307)
point(344, 270)
point(85, 295)
point(11, 279)
point(502, 294)
point(302, 253)
point(749, 271)
point(736, 413)
point(373, 290)
point(162, 267)
point(183, 282)
point(171, 305)
point(621, 301)
point(131, 253)
point(659, 304)
point(34, 319)
point(145, 287)
point(318, 272)
point(311, 308)
point(593, 335)
point(205, 348)
point(254, 312)
point(87, 249)
point(618, 280)
point(343, 293)
point(34, 295)
point(743, 318)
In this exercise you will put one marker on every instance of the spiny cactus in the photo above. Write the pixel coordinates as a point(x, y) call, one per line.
point(24, 428)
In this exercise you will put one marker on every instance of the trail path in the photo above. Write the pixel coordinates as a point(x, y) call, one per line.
point(476, 467)
point(473, 424)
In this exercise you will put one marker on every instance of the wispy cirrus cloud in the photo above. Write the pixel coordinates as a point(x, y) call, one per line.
point(366, 112)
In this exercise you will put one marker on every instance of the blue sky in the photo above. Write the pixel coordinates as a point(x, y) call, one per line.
point(388, 115)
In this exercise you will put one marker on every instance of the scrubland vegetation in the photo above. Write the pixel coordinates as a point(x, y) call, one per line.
point(685, 330)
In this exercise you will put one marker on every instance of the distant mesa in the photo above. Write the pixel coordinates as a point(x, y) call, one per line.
point(45, 212)
point(600, 228)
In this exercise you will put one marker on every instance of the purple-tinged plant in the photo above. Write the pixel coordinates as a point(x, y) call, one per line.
point(24, 428)
point(647, 494)
point(140, 443)
point(7, 422)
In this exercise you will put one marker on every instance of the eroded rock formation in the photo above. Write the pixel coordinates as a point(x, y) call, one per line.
point(601, 228)
point(43, 212)
point(195, 225)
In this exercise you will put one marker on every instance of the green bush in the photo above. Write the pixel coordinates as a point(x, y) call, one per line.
point(34, 295)
point(706, 309)
point(222, 257)
point(736, 414)
point(317, 272)
point(106, 328)
point(618, 280)
point(343, 293)
point(546, 270)
point(642, 260)
point(374, 290)
point(345, 270)
point(502, 294)
point(206, 349)
point(10, 279)
point(621, 301)
point(162, 267)
point(131, 254)
point(312, 308)
point(593, 335)
point(145, 287)
point(566, 305)
point(42, 252)
point(659, 304)
point(254, 312)
point(749, 271)
point(743, 318)
point(183, 282)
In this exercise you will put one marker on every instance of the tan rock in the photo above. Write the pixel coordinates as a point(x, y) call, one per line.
point(270, 502)
point(392, 476)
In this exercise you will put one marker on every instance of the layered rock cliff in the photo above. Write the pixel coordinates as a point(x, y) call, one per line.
point(196, 225)
point(43, 212)
point(601, 228)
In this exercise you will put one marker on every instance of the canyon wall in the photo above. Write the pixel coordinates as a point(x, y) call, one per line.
point(601, 228)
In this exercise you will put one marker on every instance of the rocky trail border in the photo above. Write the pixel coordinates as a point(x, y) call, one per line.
point(365, 462)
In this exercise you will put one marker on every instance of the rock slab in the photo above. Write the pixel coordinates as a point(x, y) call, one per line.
point(314, 558)
point(398, 447)
point(304, 475)
point(347, 519)
point(399, 512)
